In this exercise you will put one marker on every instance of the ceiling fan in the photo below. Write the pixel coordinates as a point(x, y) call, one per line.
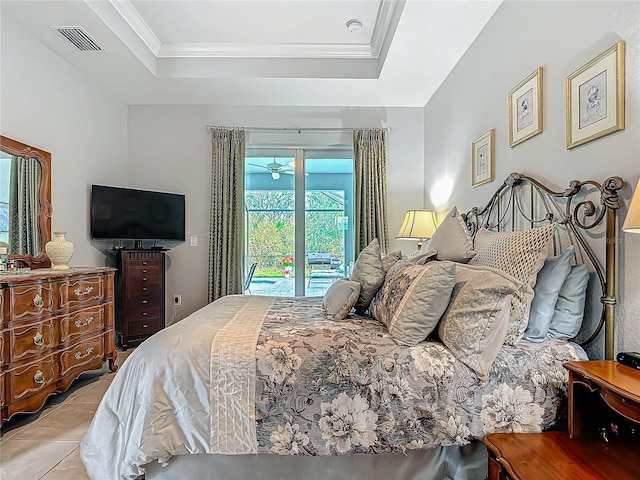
point(275, 168)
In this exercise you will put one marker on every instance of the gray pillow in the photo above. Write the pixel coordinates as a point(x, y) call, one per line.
point(475, 323)
point(569, 309)
point(422, 258)
point(545, 294)
point(340, 298)
point(413, 298)
point(369, 272)
point(451, 239)
point(521, 255)
point(389, 259)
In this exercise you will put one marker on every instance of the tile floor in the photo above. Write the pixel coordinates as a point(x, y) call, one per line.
point(45, 445)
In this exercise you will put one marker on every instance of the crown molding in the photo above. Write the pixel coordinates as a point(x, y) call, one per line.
point(379, 35)
point(137, 24)
point(242, 50)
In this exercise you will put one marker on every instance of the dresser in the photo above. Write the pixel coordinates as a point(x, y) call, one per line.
point(54, 325)
point(603, 437)
point(140, 297)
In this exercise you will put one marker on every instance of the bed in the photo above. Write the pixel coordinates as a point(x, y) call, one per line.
point(265, 387)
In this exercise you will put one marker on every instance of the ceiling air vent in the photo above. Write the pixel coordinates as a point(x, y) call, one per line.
point(80, 38)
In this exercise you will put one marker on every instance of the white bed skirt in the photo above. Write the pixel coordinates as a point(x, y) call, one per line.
point(455, 463)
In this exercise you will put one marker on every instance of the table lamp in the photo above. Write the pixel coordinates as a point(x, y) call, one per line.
point(417, 224)
point(632, 222)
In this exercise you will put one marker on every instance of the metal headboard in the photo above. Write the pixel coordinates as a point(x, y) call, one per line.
point(523, 202)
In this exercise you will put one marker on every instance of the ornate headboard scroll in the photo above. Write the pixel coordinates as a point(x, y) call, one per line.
point(582, 211)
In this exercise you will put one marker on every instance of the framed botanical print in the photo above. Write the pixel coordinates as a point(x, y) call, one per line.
point(595, 98)
point(525, 108)
point(482, 151)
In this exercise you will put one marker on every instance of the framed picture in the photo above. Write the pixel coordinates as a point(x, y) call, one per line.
point(595, 98)
point(525, 109)
point(482, 152)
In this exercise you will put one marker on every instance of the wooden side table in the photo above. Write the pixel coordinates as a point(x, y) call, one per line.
point(603, 441)
point(596, 385)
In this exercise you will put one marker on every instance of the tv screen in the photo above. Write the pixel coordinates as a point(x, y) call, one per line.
point(129, 214)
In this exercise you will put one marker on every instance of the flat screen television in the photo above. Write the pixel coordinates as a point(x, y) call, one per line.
point(128, 214)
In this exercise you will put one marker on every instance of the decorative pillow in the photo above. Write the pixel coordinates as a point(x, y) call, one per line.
point(422, 258)
point(368, 271)
point(340, 298)
point(548, 284)
point(389, 259)
point(521, 255)
point(475, 323)
point(413, 298)
point(451, 239)
point(569, 309)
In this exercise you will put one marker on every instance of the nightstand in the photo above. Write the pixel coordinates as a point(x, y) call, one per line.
point(603, 441)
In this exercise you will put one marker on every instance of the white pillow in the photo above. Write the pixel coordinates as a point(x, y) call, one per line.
point(451, 239)
point(521, 255)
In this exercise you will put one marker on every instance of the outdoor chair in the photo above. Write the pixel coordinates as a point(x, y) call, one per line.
point(247, 281)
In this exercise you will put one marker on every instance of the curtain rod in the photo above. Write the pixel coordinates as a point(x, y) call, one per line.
point(293, 129)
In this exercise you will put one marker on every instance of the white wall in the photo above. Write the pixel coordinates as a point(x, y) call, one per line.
point(48, 104)
point(169, 149)
point(560, 37)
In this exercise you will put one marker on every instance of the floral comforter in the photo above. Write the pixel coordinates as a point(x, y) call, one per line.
point(308, 386)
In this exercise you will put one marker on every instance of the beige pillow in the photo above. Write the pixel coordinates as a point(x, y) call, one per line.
point(340, 298)
point(369, 272)
point(521, 255)
point(412, 299)
point(391, 258)
point(451, 239)
point(475, 323)
point(422, 258)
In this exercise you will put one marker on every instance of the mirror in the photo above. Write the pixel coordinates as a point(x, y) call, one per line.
point(25, 202)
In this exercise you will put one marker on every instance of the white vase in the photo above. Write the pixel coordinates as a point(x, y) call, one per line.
point(59, 250)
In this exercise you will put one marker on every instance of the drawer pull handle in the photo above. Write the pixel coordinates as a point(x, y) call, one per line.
point(79, 293)
point(144, 271)
point(87, 322)
point(144, 314)
point(144, 263)
point(38, 339)
point(144, 279)
point(144, 325)
point(144, 302)
point(38, 302)
point(38, 377)
point(80, 355)
point(144, 289)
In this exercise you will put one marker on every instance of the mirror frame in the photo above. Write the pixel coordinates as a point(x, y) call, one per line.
point(13, 147)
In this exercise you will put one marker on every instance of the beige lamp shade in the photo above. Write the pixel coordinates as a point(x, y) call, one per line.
point(417, 225)
point(632, 222)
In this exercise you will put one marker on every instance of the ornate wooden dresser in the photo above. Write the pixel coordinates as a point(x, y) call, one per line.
point(54, 325)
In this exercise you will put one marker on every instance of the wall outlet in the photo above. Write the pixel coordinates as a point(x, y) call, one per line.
point(194, 241)
point(177, 299)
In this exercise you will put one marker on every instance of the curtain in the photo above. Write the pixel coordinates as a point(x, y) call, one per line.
point(370, 168)
point(24, 188)
point(226, 237)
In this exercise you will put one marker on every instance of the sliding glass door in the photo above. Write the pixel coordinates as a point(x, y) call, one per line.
point(299, 222)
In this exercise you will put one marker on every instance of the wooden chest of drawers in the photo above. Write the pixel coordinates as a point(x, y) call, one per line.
point(140, 298)
point(54, 325)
